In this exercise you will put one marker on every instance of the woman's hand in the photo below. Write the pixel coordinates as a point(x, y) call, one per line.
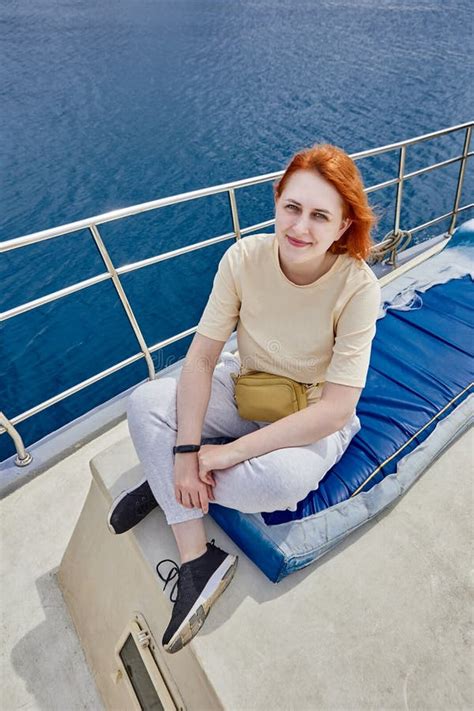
point(190, 491)
point(215, 456)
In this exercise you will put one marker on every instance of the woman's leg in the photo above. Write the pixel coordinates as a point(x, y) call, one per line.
point(190, 538)
point(274, 481)
point(152, 421)
point(279, 480)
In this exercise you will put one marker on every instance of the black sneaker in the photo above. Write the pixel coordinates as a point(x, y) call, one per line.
point(130, 507)
point(200, 582)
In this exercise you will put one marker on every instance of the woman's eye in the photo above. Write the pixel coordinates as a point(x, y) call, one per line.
point(316, 214)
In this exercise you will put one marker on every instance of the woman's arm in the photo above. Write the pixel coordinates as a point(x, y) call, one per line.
point(194, 387)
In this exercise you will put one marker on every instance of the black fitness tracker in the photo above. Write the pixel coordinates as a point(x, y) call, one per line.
point(186, 448)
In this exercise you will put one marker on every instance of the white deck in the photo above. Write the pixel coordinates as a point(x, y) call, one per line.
point(382, 622)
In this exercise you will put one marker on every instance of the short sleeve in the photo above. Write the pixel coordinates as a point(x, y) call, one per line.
point(221, 313)
point(355, 331)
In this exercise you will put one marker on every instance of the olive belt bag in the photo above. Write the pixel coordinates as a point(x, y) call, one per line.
point(266, 397)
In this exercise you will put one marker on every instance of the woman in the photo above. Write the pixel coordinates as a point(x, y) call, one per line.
point(305, 304)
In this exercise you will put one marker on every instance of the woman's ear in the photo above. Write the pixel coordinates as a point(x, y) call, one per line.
point(344, 226)
point(275, 194)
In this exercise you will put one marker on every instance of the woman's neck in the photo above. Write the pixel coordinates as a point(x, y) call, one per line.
point(305, 274)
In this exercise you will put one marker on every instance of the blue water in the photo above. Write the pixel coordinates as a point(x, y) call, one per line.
point(110, 104)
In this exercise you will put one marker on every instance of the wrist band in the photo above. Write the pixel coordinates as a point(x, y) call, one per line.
point(186, 448)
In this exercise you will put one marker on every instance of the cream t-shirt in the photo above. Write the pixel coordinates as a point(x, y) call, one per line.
point(312, 333)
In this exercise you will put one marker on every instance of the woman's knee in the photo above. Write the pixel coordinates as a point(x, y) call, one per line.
point(151, 396)
point(274, 490)
point(289, 491)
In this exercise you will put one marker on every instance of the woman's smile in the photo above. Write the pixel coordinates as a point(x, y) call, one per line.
point(296, 242)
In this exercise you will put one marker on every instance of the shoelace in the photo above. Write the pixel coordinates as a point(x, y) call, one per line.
point(173, 573)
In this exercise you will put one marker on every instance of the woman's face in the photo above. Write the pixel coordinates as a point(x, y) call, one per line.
point(310, 211)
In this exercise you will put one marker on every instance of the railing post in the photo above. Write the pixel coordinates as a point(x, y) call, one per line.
point(235, 213)
point(123, 298)
point(396, 233)
point(23, 458)
point(398, 203)
point(462, 170)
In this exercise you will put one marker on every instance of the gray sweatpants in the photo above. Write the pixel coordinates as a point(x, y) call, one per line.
point(274, 481)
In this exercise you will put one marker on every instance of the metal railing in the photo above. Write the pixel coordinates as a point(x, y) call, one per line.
point(391, 244)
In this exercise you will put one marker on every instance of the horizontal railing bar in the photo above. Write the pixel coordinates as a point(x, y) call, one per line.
point(192, 195)
point(48, 298)
point(257, 226)
point(43, 235)
point(380, 186)
point(95, 378)
point(440, 219)
point(465, 207)
point(430, 222)
point(409, 142)
point(23, 308)
point(53, 296)
point(190, 248)
point(75, 389)
point(407, 176)
point(421, 171)
point(172, 339)
point(174, 253)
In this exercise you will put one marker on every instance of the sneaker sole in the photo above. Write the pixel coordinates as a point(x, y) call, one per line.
point(200, 610)
point(117, 500)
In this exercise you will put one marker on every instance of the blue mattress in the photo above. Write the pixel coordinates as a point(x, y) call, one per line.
point(420, 374)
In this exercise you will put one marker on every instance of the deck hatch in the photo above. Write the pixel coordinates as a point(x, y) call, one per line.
point(139, 669)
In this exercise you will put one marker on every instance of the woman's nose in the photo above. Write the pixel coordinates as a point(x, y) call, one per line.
point(302, 225)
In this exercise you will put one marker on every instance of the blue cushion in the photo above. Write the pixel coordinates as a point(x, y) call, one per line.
point(420, 374)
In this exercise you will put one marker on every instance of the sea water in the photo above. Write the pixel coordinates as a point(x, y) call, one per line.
point(110, 104)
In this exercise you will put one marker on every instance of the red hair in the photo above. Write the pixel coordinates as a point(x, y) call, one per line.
point(334, 165)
